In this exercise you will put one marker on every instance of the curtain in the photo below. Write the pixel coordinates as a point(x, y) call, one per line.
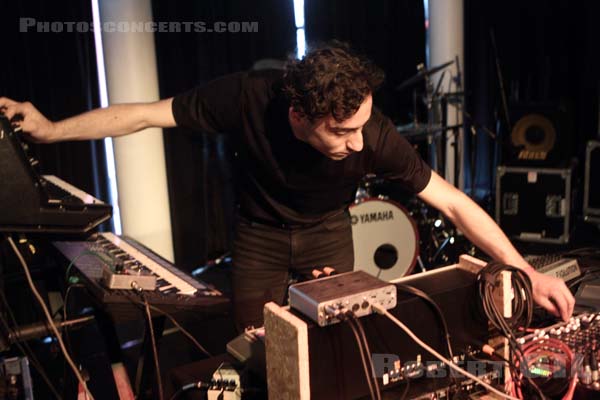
point(389, 32)
point(199, 168)
point(56, 71)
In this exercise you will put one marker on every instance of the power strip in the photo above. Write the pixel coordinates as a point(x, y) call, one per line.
point(225, 384)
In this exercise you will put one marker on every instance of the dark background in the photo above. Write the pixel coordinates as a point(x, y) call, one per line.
point(547, 52)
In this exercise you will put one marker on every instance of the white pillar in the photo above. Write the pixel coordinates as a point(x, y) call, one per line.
point(131, 74)
point(446, 43)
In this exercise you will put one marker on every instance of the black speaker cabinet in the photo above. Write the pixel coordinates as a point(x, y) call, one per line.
point(534, 204)
point(591, 189)
point(540, 136)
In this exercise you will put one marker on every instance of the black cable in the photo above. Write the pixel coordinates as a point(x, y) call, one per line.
point(522, 308)
point(363, 336)
point(496, 354)
point(25, 346)
point(446, 332)
point(174, 321)
point(513, 369)
point(220, 396)
point(154, 348)
point(65, 310)
point(522, 311)
point(362, 357)
point(32, 359)
point(46, 313)
point(190, 386)
point(406, 387)
point(419, 293)
point(582, 252)
point(587, 275)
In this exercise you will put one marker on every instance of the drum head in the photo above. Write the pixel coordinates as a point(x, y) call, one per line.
point(385, 239)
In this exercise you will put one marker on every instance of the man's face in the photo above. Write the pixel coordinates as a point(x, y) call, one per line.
point(336, 140)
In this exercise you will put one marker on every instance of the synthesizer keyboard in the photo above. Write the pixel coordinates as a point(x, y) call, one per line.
point(30, 202)
point(175, 289)
point(556, 265)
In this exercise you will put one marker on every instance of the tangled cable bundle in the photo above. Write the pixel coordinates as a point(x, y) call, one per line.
point(522, 311)
point(522, 304)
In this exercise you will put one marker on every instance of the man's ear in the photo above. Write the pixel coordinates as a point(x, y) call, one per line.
point(295, 116)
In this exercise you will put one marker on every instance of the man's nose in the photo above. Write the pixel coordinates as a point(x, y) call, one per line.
point(355, 141)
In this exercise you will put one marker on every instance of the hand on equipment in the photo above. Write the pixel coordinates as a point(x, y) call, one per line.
point(552, 294)
point(35, 126)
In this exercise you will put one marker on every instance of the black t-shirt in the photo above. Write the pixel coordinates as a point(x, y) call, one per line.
point(284, 180)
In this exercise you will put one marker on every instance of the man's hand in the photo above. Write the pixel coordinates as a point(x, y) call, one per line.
point(115, 120)
point(552, 294)
point(32, 122)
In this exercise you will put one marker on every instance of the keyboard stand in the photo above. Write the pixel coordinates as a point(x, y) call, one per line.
point(94, 347)
point(106, 337)
point(145, 368)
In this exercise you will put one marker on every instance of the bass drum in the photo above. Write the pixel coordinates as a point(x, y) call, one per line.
point(385, 237)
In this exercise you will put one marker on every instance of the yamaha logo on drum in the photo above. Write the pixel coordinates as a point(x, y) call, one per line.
point(385, 238)
point(373, 217)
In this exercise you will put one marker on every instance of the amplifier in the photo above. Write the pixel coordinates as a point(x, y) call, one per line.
point(15, 378)
point(591, 189)
point(534, 204)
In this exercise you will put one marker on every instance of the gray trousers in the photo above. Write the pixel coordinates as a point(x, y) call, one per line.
point(264, 255)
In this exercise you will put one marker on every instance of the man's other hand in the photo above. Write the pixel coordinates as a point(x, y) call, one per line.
point(552, 294)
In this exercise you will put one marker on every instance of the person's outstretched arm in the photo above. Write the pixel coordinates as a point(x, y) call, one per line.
point(115, 120)
point(550, 293)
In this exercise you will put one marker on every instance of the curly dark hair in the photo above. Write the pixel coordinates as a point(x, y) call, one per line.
point(330, 79)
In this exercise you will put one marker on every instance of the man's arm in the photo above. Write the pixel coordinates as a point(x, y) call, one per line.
point(550, 293)
point(115, 120)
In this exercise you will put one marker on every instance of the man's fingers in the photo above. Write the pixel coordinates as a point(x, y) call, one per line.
point(562, 304)
point(10, 111)
point(562, 301)
point(549, 306)
point(565, 301)
point(554, 295)
point(5, 101)
point(570, 300)
point(17, 113)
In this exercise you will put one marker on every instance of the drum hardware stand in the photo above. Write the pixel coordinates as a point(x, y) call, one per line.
point(474, 127)
point(434, 102)
point(363, 191)
point(434, 113)
point(420, 264)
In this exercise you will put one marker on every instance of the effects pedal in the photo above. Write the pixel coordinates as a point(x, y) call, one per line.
point(128, 278)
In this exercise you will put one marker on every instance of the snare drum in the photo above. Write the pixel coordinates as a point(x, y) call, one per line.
point(386, 240)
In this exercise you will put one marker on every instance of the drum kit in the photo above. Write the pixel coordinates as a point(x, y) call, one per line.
point(394, 233)
point(394, 238)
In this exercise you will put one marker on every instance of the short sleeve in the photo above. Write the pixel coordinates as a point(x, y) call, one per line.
point(213, 108)
point(395, 157)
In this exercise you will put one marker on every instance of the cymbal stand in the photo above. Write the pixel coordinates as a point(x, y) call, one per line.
point(433, 102)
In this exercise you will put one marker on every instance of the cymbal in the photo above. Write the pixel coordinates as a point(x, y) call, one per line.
point(422, 74)
point(410, 131)
point(453, 97)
